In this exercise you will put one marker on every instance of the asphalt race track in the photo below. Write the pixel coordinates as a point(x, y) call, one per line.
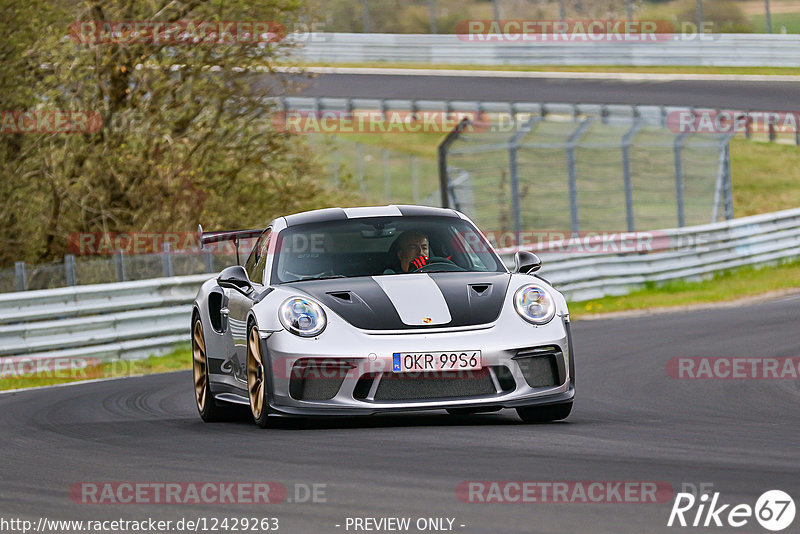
point(745, 95)
point(631, 422)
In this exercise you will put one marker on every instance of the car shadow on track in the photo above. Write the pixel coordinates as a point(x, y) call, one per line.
point(399, 420)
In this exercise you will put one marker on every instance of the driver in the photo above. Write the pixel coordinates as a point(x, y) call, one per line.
point(412, 250)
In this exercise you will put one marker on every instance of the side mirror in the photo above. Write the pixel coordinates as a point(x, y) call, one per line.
point(235, 277)
point(526, 262)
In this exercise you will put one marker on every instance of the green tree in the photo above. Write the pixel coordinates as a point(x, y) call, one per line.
point(187, 132)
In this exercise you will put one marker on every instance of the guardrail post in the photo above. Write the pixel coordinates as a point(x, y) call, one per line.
point(679, 178)
point(20, 277)
point(414, 179)
point(432, 16)
point(626, 172)
point(336, 166)
point(444, 146)
point(573, 180)
point(699, 15)
point(69, 270)
point(513, 147)
point(516, 209)
point(360, 166)
point(768, 16)
point(727, 184)
point(387, 175)
point(166, 260)
point(119, 263)
point(365, 16)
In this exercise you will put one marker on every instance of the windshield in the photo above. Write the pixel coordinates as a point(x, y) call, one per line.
point(381, 246)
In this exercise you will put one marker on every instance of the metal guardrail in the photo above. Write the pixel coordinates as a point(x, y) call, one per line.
point(103, 321)
point(683, 253)
point(723, 50)
point(134, 319)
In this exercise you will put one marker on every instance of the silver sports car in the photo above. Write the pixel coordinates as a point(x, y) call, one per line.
point(360, 311)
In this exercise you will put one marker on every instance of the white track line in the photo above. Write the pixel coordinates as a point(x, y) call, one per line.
point(619, 76)
point(80, 382)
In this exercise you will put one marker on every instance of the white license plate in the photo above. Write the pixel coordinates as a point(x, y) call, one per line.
point(456, 360)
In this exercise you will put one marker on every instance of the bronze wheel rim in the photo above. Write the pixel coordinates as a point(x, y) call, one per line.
point(199, 365)
point(255, 373)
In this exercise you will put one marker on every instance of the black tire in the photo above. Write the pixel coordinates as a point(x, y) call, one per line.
point(257, 382)
point(545, 414)
point(209, 409)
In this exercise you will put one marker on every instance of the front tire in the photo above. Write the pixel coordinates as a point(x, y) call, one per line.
point(545, 414)
point(257, 379)
point(208, 408)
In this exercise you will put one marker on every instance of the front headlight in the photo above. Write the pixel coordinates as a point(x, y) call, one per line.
point(302, 317)
point(534, 304)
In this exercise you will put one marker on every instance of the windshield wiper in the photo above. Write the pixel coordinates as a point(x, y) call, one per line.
point(321, 277)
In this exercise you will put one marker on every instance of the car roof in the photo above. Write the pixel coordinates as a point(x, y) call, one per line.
point(337, 214)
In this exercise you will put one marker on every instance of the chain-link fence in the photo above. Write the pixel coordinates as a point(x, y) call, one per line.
point(589, 175)
point(380, 175)
point(556, 172)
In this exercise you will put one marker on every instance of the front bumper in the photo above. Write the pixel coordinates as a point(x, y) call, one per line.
point(359, 380)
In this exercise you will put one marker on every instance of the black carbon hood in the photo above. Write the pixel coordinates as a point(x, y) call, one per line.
point(472, 299)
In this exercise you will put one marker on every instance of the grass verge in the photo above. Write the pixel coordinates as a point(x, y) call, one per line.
point(725, 286)
point(178, 359)
point(765, 176)
point(790, 21)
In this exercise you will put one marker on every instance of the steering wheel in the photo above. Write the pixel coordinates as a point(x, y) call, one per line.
point(438, 264)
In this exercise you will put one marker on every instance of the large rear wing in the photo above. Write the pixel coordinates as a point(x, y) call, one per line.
point(227, 235)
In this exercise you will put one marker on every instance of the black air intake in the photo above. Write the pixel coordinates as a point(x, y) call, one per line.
point(542, 366)
point(317, 379)
point(434, 385)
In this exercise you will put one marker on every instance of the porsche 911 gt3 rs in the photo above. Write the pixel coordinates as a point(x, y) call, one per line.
point(360, 311)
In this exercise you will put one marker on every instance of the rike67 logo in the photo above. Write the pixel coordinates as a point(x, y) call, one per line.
point(774, 510)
